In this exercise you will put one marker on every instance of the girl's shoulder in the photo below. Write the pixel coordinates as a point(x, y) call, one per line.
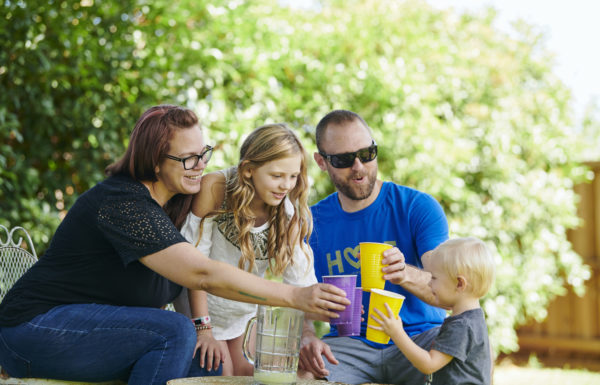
point(211, 195)
point(215, 177)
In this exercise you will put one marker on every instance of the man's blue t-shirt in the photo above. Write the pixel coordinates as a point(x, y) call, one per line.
point(411, 220)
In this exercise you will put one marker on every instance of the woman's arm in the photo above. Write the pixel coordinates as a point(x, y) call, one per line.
point(183, 264)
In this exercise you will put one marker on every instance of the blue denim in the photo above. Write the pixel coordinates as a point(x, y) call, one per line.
point(90, 342)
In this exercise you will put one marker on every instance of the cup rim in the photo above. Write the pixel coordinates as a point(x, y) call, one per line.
point(341, 275)
point(387, 293)
point(376, 243)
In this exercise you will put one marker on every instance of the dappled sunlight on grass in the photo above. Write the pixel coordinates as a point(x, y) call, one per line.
point(510, 374)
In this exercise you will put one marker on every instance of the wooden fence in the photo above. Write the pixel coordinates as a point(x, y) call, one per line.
point(571, 333)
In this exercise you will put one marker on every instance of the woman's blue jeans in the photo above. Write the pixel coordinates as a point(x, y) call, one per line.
point(89, 342)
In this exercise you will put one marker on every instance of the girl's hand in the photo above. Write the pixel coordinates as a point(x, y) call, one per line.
point(390, 323)
point(210, 350)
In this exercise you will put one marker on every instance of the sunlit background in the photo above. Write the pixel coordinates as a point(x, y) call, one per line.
point(571, 28)
point(494, 121)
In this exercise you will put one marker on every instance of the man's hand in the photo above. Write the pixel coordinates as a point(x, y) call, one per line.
point(396, 266)
point(310, 355)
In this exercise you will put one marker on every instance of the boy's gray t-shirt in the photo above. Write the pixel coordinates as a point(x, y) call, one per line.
point(464, 337)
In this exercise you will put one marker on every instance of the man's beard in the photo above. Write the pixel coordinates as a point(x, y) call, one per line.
point(354, 192)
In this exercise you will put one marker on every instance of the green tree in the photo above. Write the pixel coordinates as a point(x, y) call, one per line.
point(460, 110)
point(69, 94)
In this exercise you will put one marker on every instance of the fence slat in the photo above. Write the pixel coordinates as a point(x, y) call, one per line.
point(572, 328)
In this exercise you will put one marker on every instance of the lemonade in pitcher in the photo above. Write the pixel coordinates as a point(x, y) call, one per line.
point(278, 332)
point(267, 377)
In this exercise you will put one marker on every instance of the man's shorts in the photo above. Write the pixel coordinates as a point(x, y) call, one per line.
point(360, 363)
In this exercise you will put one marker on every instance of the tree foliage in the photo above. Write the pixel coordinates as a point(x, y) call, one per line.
point(460, 110)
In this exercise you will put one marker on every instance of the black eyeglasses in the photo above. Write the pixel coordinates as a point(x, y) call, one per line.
point(346, 160)
point(191, 161)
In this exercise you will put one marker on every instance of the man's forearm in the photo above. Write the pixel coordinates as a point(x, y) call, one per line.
point(416, 281)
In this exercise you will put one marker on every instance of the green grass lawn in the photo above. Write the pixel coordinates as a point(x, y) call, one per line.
point(506, 374)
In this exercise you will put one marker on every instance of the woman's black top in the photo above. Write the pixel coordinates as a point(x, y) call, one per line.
point(94, 255)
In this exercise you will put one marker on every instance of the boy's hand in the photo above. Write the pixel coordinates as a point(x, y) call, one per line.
point(391, 323)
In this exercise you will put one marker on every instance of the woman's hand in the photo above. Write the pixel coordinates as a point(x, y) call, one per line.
point(211, 352)
point(320, 300)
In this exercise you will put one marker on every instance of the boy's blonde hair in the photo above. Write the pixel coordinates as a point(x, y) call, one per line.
point(470, 258)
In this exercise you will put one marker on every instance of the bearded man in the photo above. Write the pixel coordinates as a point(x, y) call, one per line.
point(366, 209)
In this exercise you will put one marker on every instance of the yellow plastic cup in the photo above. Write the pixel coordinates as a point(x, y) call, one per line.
point(370, 265)
point(378, 300)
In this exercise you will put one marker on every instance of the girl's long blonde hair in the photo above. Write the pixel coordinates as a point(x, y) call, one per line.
point(265, 144)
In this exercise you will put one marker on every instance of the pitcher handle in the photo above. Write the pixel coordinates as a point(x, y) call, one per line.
point(247, 355)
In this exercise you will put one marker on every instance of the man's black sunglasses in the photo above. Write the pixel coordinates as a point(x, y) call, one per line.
point(346, 160)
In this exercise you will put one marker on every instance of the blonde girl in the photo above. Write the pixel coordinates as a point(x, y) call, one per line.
point(254, 216)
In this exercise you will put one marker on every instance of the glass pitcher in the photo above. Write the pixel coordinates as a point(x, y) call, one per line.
point(278, 333)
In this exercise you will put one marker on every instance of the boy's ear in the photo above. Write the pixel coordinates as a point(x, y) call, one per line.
point(461, 284)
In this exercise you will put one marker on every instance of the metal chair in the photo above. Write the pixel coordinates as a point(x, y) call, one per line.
point(16, 257)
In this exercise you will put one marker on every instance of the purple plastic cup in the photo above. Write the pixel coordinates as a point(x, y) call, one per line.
point(352, 328)
point(348, 284)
